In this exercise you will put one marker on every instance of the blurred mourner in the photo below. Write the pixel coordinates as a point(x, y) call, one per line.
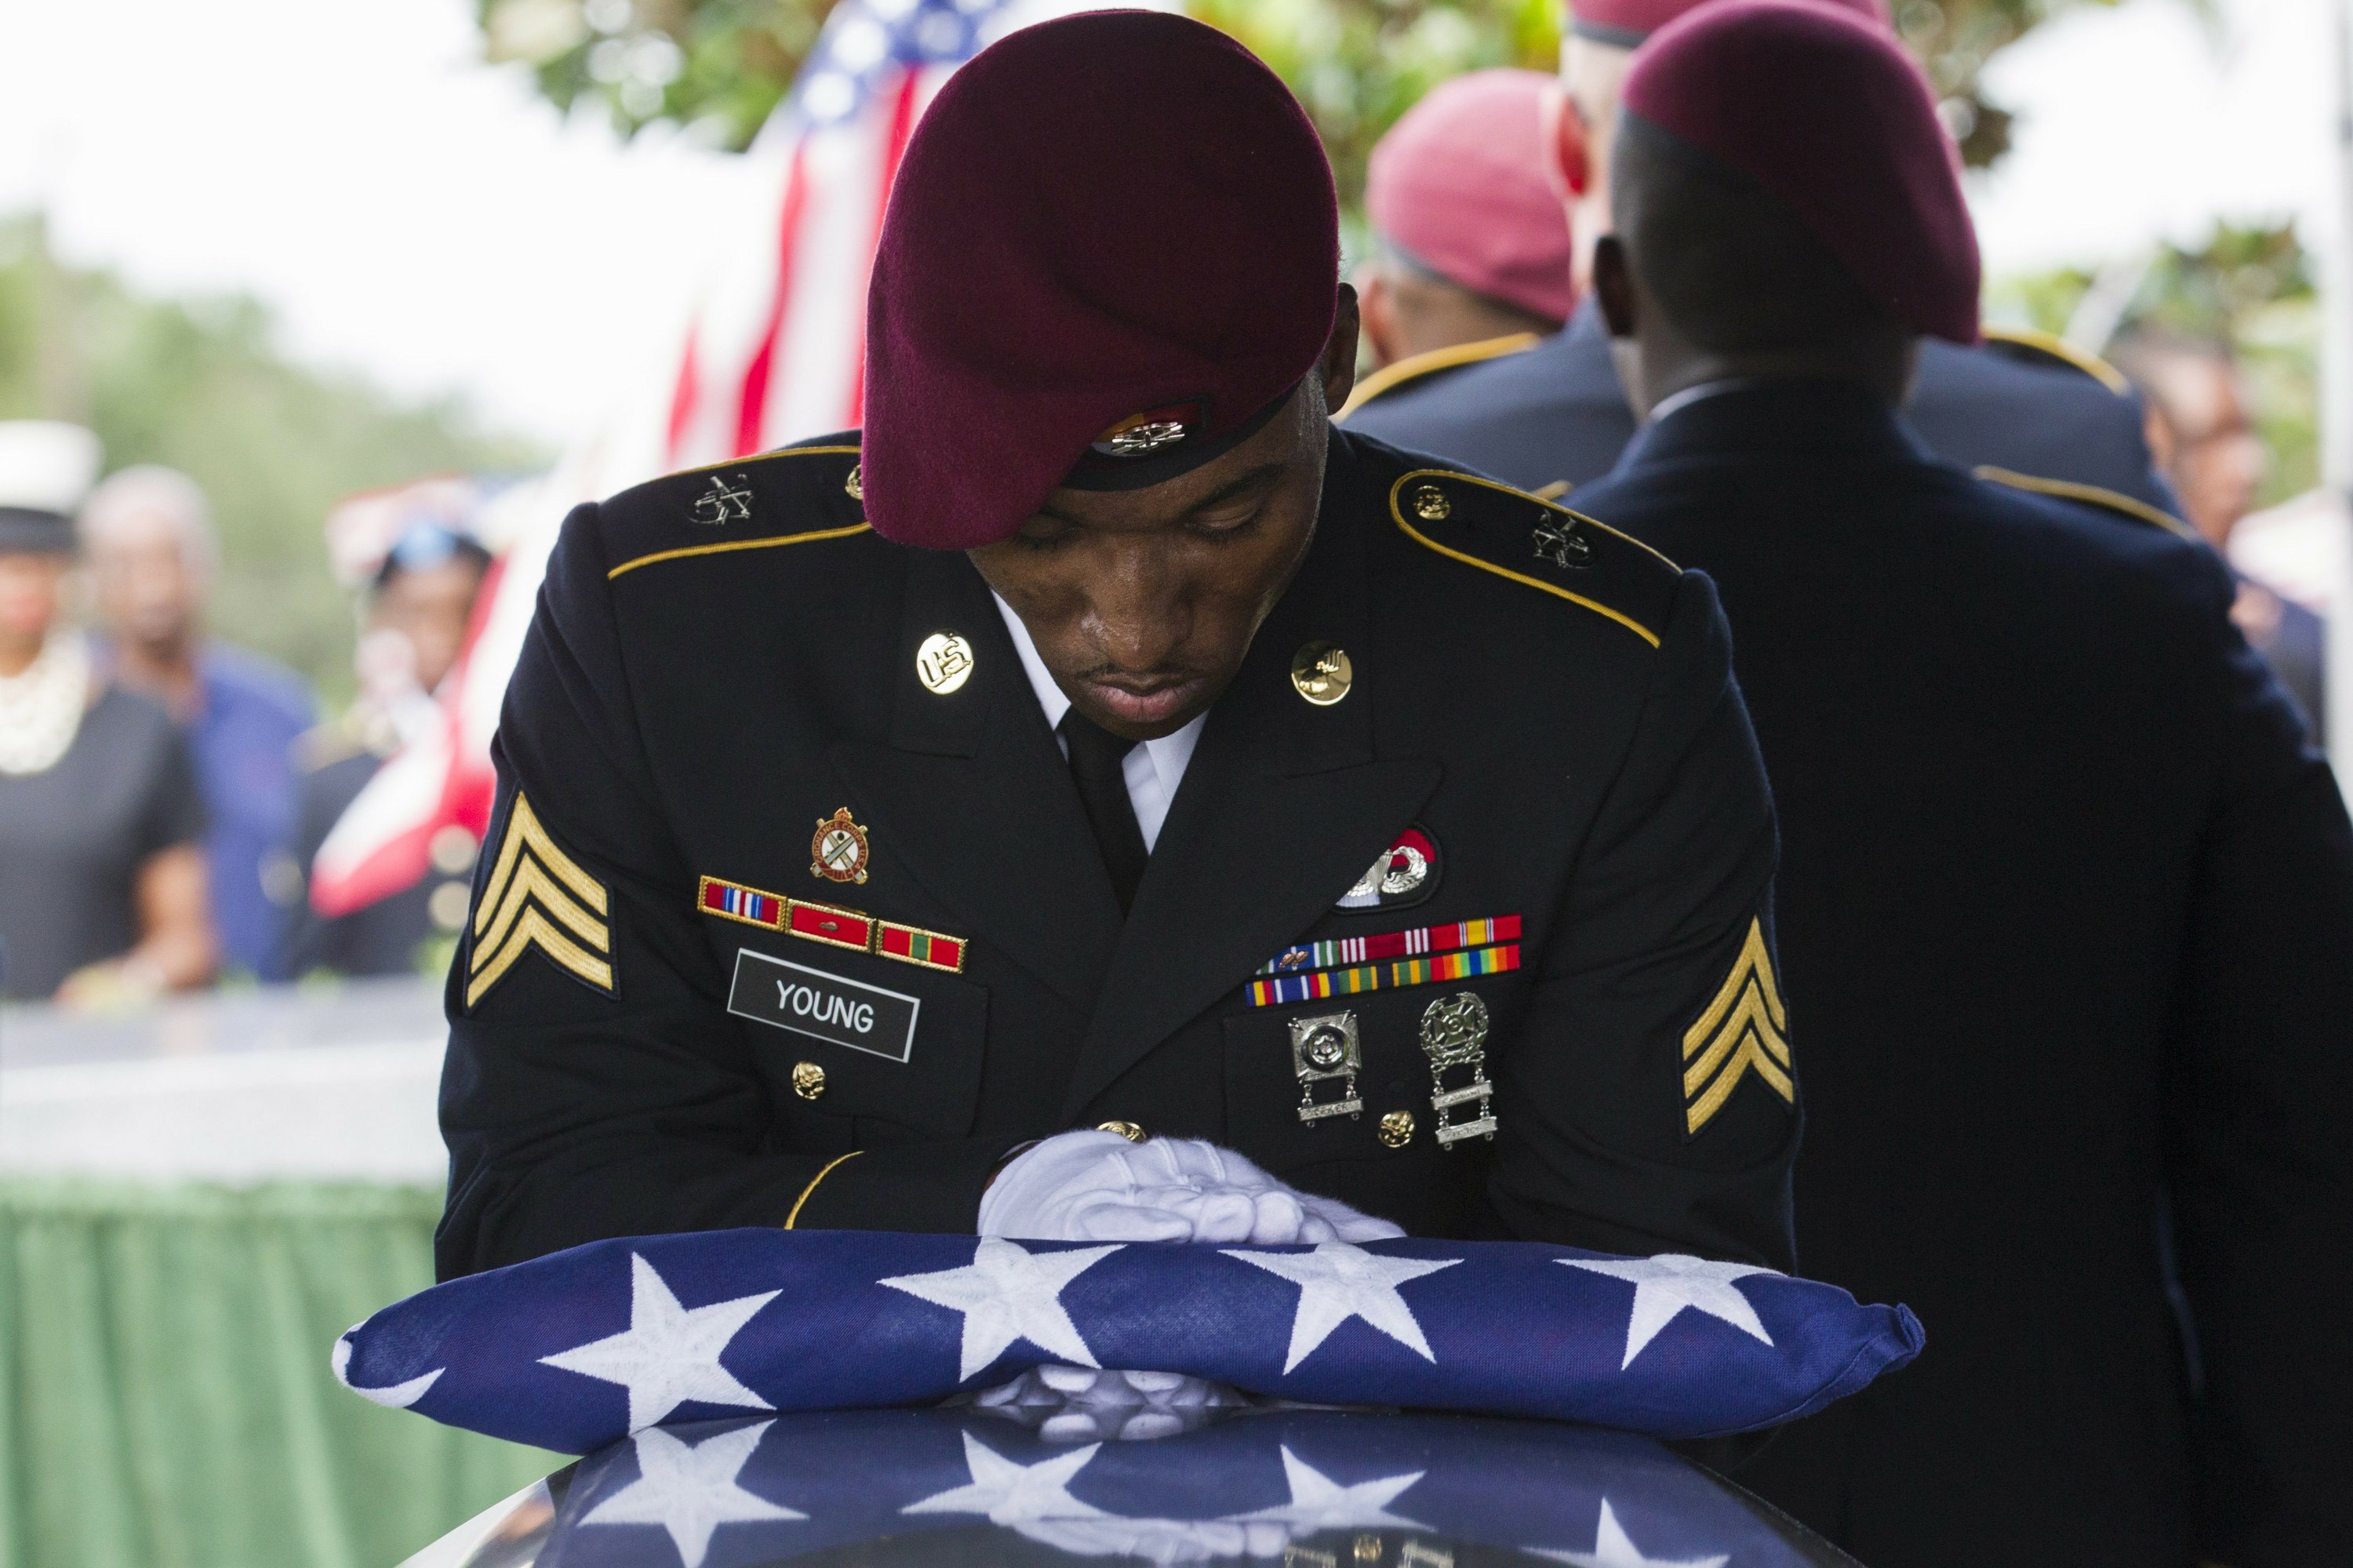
point(147, 535)
point(101, 875)
point(419, 601)
point(1553, 417)
point(1473, 258)
point(1072, 808)
point(2206, 443)
point(2065, 899)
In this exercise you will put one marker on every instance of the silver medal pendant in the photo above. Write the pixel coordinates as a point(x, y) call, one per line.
point(1324, 1049)
point(1454, 1035)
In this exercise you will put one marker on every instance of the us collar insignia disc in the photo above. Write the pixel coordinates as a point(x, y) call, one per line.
point(837, 852)
point(1454, 1035)
point(1324, 1049)
point(943, 664)
point(1403, 874)
point(1321, 673)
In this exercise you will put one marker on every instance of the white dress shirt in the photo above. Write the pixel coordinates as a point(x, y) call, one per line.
point(1152, 768)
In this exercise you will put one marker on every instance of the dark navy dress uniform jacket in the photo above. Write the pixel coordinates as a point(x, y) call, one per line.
point(2066, 909)
point(701, 688)
point(1554, 415)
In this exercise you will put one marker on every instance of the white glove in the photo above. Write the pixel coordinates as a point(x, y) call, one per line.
point(1097, 1186)
point(1081, 1404)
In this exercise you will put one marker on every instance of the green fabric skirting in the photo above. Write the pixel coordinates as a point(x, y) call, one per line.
point(165, 1399)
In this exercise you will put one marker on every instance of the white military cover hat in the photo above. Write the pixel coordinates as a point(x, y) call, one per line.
point(47, 467)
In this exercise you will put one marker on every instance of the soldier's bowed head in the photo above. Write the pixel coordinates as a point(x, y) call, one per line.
point(1104, 330)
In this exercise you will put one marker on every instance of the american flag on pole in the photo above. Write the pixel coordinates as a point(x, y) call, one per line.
point(576, 1349)
point(775, 353)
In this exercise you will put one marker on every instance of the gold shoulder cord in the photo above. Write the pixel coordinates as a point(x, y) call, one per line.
point(793, 1218)
point(1397, 513)
point(2089, 496)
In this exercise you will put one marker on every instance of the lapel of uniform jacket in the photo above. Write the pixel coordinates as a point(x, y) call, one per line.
point(972, 796)
point(1283, 805)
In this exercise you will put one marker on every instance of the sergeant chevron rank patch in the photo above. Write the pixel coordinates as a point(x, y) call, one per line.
point(1743, 1030)
point(538, 896)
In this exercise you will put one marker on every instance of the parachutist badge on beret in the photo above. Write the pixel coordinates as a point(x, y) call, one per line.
point(837, 853)
point(1155, 429)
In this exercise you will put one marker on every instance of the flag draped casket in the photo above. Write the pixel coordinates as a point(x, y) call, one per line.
point(573, 1351)
point(1280, 1486)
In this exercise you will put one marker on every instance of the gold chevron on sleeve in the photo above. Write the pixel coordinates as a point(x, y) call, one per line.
point(1744, 1030)
point(538, 897)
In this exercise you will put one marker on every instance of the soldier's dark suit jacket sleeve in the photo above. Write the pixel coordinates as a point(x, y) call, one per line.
point(1655, 935)
point(2261, 1168)
point(620, 1100)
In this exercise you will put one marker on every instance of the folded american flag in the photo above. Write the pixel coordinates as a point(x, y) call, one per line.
point(573, 1351)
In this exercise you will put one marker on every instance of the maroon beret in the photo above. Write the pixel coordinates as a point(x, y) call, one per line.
point(1626, 23)
point(1112, 252)
point(1458, 185)
point(1831, 117)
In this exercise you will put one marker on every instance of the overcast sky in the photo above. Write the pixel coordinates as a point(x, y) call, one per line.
point(422, 217)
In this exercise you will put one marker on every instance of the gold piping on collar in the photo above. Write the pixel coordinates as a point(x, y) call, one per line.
point(2090, 495)
point(1413, 367)
point(2066, 352)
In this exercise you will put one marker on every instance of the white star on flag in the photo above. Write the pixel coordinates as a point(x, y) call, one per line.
point(1015, 1494)
point(1007, 1293)
point(1338, 1282)
point(1318, 1502)
point(691, 1491)
point(668, 1354)
point(1665, 1284)
point(1613, 1547)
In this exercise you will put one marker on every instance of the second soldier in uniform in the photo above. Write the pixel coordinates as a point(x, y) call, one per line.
point(1101, 741)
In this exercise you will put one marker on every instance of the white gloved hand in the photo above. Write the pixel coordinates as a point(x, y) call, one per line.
point(1084, 1404)
point(1097, 1186)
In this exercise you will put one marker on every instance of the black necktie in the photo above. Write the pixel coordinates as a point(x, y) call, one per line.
point(1098, 759)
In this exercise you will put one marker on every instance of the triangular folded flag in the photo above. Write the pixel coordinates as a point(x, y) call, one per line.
point(575, 1350)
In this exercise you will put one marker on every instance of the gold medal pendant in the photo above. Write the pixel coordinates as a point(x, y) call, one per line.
point(839, 852)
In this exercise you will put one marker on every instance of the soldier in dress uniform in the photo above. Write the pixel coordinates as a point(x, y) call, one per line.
point(2066, 902)
point(1551, 415)
point(1470, 256)
point(893, 830)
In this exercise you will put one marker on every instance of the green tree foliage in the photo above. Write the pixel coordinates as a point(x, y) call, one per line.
point(2250, 286)
point(201, 386)
point(720, 66)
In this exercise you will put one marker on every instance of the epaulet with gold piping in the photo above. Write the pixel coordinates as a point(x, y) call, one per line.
point(2123, 505)
point(1420, 366)
point(2032, 346)
point(1538, 544)
point(795, 496)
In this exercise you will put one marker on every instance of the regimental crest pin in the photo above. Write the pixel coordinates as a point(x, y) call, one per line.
point(729, 500)
point(839, 849)
point(1402, 875)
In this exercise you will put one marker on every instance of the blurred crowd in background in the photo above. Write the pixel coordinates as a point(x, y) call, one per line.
point(212, 640)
